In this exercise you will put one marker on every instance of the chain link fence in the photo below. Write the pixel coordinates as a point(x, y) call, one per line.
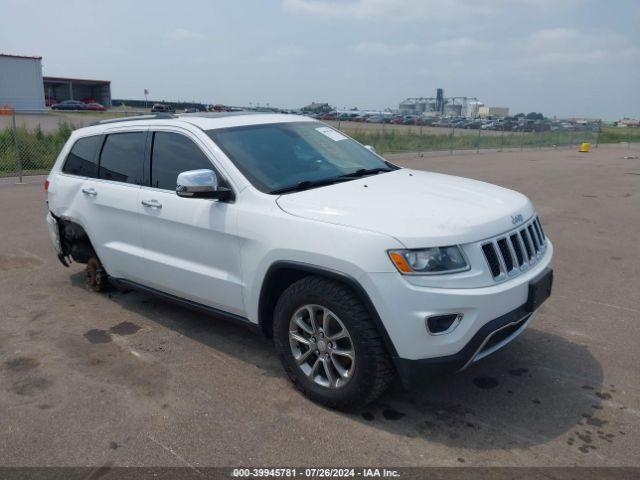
point(389, 138)
point(28, 149)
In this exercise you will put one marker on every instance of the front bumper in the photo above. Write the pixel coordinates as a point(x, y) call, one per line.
point(492, 317)
point(491, 337)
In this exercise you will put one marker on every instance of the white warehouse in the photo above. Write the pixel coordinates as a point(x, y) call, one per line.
point(21, 82)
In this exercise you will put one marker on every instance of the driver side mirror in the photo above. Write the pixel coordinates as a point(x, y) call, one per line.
point(202, 184)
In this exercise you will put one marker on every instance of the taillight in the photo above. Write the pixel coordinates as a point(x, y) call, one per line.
point(46, 185)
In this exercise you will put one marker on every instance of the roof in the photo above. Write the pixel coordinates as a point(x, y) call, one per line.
point(7, 55)
point(76, 80)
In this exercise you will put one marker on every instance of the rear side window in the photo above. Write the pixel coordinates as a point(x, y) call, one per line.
point(83, 159)
point(122, 157)
point(173, 154)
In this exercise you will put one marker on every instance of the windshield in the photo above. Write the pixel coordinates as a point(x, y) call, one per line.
point(281, 156)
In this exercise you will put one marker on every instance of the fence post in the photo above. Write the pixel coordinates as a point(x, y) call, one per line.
point(502, 138)
point(598, 133)
point(571, 140)
point(478, 141)
point(17, 146)
point(451, 140)
point(522, 139)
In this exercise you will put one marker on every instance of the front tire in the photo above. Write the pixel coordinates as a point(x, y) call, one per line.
point(328, 345)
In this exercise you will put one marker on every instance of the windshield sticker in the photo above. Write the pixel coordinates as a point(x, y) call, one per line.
point(331, 133)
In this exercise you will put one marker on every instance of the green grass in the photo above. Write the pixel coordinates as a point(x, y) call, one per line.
point(38, 150)
point(397, 141)
point(616, 135)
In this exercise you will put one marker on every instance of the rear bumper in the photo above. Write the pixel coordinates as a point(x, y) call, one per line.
point(492, 336)
point(54, 233)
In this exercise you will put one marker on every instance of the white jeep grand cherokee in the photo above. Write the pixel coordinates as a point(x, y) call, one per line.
point(357, 268)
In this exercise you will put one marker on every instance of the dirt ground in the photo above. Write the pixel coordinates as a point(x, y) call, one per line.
point(126, 379)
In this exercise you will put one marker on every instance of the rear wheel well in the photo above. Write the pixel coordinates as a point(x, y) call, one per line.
point(283, 274)
point(75, 242)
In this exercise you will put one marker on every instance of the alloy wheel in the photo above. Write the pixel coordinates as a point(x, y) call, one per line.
point(321, 346)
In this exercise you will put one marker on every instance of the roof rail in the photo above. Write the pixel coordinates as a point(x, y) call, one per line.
point(153, 116)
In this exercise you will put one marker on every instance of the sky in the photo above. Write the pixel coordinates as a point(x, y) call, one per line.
point(559, 57)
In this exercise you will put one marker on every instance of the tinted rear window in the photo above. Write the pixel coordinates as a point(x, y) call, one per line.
point(173, 154)
point(123, 156)
point(82, 159)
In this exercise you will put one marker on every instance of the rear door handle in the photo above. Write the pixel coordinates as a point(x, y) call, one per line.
point(152, 203)
point(90, 191)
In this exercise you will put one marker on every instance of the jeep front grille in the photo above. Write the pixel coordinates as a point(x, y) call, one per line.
point(516, 251)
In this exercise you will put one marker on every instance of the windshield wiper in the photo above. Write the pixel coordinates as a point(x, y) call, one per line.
point(365, 171)
point(307, 184)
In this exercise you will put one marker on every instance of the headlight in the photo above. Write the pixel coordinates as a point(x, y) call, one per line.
point(429, 261)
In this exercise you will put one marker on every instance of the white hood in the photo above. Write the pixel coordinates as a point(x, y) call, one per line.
point(420, 209)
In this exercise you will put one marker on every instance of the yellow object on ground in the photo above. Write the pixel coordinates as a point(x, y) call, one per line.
point(585, 147)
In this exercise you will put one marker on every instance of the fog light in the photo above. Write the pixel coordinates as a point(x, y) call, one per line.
point(441, 324)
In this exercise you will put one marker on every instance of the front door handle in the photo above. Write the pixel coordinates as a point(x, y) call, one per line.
point(90, 191)
point(152, 203)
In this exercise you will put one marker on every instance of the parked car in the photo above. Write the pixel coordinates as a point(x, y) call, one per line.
point(328, 116)
point(347, 116)
point(96, 106)
point(162, 108)
point(70, 105)
point(352, 264)
point(377, 119)
point(49, 101)
point(411, 120)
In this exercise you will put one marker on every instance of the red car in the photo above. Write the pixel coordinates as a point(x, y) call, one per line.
point(328, 116)
point(96, 107)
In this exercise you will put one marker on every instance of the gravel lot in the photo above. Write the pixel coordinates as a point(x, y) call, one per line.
point(127, 379)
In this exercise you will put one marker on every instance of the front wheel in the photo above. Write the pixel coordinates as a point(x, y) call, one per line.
point(329, 346)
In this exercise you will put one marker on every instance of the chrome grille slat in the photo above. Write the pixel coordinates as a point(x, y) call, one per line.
point(532, 235)
point(544, 237)
point(514, 252)
point(505, 253)
point(527, 244)
point(514, 241)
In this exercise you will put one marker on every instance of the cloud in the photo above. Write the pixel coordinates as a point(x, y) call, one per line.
point(448, 47)
point(386, 49)
point(460, 46)
point(568, 46)
point(415, 9)
point(282, 53)
point(184, 35)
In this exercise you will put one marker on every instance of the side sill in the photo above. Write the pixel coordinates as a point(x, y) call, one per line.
point(226, 316)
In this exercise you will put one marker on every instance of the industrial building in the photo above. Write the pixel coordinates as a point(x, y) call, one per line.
point(493, 112)
point(59, 89)
point(23, 87)
point(21, 82)
point(440, 105)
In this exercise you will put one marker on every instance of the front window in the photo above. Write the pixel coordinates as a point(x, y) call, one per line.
point(279, 157)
